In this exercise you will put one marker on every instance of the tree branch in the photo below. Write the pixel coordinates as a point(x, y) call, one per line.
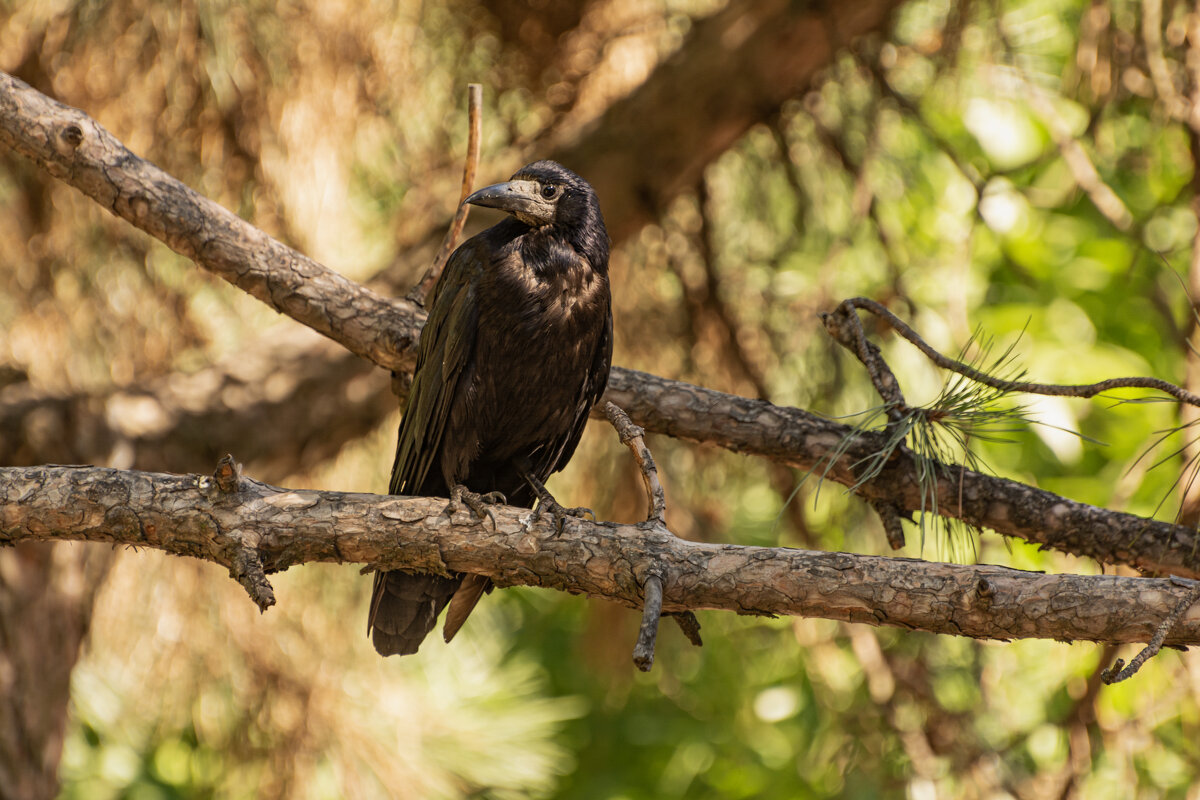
point(808, 442)
point(189, 515)
point(76, 149)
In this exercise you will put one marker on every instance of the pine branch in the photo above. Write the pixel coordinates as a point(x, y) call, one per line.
point(274, 528)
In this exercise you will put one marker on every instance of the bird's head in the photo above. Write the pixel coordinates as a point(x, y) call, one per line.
point(552, 199)
point(542, 193)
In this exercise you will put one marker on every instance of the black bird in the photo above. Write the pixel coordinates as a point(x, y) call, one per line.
point(513, 356)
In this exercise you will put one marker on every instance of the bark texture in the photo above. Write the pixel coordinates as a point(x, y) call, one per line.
point(254, 529)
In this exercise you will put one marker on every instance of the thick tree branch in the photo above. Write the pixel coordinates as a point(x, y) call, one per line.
point(279, 404)
point(189, 515)
point(737, 68)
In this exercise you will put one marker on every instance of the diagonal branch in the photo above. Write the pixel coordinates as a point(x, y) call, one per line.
point(807, 442)
point(280, 528)
point(76, 149)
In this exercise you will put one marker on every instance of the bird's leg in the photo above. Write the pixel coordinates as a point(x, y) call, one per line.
point(478, 503)
point(546, 501)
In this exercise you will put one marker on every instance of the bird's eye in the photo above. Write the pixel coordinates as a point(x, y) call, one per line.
point(550, 191)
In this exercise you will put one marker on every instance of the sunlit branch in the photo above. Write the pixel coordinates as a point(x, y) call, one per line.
point(277, 528)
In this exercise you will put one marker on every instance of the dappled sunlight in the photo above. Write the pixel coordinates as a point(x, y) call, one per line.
point(1010, 172)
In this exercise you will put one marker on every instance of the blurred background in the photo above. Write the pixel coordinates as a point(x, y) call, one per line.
point(1014, 165)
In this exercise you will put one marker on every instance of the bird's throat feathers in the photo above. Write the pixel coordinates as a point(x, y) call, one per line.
point(569, 266)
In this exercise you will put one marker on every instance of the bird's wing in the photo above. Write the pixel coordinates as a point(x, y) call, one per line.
point(404, 607)
point(447, 341)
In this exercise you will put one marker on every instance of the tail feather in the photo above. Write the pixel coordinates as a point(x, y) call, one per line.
point(404, 609)
point(463, 603)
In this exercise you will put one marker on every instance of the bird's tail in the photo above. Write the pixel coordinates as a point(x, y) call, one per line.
point(463, 603)
point(405, 607)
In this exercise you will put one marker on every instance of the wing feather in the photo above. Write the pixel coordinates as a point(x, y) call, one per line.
point(447, 342)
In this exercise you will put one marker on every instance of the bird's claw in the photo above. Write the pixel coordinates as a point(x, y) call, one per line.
point(559, 513)
point(478, 503)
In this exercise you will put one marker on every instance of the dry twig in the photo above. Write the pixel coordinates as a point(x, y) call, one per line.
point(421, 290)
point(839, 321)
point(1119, 672)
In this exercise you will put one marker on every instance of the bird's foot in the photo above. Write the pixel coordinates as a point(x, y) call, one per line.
point(548, 505)
point(478, 503)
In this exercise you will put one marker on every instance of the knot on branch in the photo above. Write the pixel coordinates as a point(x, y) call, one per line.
point(70, 136)
point(984, 592)
point(227, 474)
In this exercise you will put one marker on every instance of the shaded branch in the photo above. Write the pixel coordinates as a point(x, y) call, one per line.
point(278, 403)
point(738, 67)
point(188, 515)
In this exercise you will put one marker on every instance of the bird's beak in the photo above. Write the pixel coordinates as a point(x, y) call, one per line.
point(519, 198)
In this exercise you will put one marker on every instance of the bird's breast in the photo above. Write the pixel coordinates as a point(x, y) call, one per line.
point(537, 344)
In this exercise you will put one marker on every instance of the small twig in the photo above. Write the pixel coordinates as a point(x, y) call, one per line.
point(632, 437)
point(1119, 672)
point(227, 474)
point(889, 515)
point(420, 292)
point(837, 329)
point(689, 625)
point(846, 329)
point(247, 569)
point(643, 652)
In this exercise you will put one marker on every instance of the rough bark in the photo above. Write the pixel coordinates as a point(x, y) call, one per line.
point(256, 528)
point(806, 441)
